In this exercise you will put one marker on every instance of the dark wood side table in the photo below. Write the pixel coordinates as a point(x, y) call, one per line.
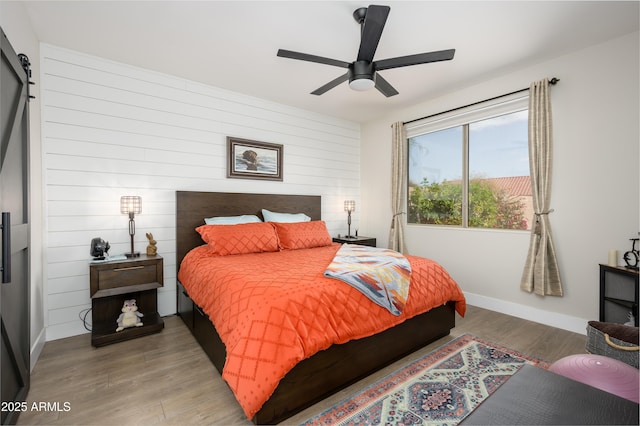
point(363, 241)
point(113, 282)
point(618, 294)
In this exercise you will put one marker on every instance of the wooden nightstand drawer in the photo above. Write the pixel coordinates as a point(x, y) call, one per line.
point(131, 275)
point(114, 277)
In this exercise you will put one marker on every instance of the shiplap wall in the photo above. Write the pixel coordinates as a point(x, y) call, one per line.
point(110, 129)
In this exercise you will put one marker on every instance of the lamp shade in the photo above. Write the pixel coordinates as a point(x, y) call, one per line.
point(349, 206)
point(130, 204)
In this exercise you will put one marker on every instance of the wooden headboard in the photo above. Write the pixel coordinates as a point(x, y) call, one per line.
point(192, 207)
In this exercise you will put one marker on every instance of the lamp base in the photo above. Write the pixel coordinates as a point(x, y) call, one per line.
point(134, 254)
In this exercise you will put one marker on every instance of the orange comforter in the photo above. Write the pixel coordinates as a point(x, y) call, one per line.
point(273, 310)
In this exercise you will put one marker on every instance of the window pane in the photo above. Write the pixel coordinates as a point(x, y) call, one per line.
point(435, 177)
point(499, 186)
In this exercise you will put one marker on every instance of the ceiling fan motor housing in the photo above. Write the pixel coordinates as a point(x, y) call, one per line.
point(361, 75)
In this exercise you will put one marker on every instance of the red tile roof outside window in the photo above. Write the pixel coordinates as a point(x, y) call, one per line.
point(514, 185)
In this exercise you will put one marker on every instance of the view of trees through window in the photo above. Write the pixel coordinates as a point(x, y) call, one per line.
point(474, 175)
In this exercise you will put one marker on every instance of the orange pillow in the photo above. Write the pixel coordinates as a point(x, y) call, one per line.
point(239, 239)
point(301, 235)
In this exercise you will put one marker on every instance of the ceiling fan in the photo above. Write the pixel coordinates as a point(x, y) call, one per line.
point(363, 72)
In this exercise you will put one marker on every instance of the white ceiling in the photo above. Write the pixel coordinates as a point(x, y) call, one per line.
point(233, 44)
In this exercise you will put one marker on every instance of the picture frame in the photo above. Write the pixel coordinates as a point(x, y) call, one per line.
point(248, 159)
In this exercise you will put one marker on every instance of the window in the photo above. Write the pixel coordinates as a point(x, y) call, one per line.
point(471, 168)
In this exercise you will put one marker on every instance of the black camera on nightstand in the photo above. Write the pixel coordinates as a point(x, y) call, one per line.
point(99, 248)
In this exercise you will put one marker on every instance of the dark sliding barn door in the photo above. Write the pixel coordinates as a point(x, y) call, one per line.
point(14, 205)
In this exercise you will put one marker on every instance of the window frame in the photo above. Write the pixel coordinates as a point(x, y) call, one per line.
point(463, 117)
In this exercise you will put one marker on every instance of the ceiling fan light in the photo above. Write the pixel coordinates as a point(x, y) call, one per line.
point(362, 84)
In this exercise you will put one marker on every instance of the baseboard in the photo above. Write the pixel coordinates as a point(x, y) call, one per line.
point(553, 319)
point(37, 348)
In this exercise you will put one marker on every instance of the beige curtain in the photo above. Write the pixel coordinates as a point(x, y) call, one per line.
point(541, 274)
point(398, 187)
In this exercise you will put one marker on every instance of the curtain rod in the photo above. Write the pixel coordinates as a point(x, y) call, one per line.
point(552, 81)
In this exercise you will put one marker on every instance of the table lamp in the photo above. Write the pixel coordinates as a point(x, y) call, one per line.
point(131, 205)
point(349, 206)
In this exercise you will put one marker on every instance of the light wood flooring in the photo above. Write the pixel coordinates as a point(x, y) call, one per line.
point(166, 378)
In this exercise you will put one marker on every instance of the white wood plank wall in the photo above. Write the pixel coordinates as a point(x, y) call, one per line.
point(110, 129)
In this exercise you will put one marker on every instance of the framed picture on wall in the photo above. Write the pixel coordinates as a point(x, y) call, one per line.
point(247, 159)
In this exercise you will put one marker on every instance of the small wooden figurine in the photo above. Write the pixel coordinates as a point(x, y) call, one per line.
point(152, 250)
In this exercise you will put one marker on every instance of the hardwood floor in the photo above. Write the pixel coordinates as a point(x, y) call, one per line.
point(166, 378)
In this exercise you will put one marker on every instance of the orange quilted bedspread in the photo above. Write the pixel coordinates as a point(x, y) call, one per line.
point(273, 310)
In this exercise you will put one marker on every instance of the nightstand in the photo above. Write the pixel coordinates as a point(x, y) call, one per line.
point(363, 241)
point(113, 282)
point(618, 294)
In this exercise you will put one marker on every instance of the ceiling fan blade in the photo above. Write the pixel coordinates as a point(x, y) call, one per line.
point(312, 58)
point(421, 58)
point(384, 87)
point(372, 27)
point(330, 85)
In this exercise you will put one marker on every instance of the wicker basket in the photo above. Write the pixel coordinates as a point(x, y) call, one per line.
point(605, 339)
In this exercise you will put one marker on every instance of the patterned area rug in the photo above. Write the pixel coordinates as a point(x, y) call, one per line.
point(441, 388)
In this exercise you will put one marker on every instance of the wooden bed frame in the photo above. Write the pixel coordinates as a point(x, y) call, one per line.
point(321, 375)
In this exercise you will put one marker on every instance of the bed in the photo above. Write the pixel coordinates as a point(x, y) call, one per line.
point(324, 372)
